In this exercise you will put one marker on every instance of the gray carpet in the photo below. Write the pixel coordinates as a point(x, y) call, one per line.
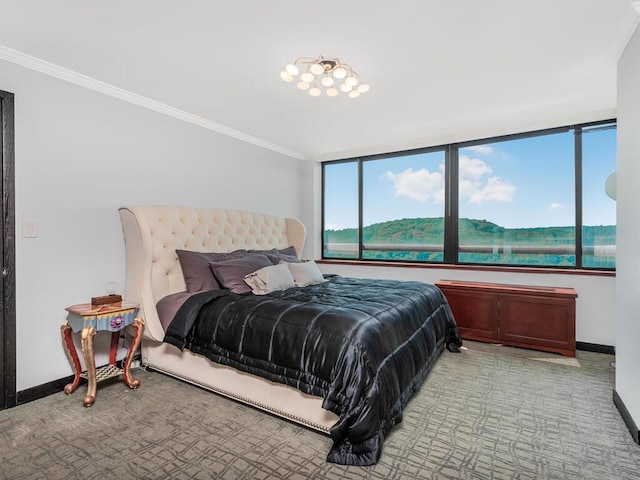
point(487, 413)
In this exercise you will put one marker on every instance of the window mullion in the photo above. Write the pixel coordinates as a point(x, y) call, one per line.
point(451, 205)
point(360, 209)
point(578, 194)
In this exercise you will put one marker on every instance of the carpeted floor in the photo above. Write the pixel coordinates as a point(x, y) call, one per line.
point(489, 412)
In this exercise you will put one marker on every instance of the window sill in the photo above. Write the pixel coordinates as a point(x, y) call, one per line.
point(477, 268)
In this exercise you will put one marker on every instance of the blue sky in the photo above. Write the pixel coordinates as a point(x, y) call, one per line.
point(520, 183)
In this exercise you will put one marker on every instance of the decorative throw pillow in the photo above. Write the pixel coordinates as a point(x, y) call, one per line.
point(230, 273)
point(195, 268)
point(305, 273)
point(270, 279)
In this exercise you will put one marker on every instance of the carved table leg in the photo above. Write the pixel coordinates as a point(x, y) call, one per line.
point(87, 350)
point(70, 348)
point(138, 326)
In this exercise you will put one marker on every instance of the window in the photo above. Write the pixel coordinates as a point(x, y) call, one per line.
point(341, 218)
point(517, 201)
point(403, 207)
point(598, 210)
point(533, 199)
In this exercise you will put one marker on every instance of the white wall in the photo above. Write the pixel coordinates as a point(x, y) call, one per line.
point(628, 208)
point(79, 156)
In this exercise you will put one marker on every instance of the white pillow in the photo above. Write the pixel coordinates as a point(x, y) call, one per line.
point(269, 279)
point(305, 273)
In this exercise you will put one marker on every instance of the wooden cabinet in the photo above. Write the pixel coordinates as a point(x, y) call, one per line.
point(540, 318)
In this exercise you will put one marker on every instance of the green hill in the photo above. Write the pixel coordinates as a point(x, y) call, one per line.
point(405, 231)
point(430, 231)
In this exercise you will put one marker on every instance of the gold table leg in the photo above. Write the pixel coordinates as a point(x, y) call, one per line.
point(138, 326)
point(87, 350)
point(70, 348)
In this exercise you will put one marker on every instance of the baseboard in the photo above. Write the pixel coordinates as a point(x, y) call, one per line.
point(41, 391)
point(55, 386)
point(594, 347)
point(626, 416)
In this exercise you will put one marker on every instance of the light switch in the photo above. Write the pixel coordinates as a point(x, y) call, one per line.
point(29, 228)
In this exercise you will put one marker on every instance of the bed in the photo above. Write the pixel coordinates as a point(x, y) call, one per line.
point(343, 356)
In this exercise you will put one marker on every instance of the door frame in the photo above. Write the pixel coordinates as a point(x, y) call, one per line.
point(7, 269)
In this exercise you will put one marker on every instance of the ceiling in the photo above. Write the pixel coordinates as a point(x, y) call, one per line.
point(439, 70)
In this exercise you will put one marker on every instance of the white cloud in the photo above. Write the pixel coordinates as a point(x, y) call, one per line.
point(480, 149)
point(475, 189)
point(556, 206)
point(474, 185)
point(473, 168)
point(421, 185)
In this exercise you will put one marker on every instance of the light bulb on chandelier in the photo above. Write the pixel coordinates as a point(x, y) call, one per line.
point(332, 74)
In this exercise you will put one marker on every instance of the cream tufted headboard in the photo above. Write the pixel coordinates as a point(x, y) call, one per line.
point(153, 233)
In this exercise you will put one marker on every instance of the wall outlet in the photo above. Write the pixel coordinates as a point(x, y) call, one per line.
point(29, 228)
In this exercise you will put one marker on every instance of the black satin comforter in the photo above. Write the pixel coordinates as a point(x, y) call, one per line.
point(365, 346)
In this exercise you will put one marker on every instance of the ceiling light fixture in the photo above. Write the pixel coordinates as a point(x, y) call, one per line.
point(330, 73)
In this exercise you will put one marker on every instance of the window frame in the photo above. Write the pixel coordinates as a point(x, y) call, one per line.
point(451, 203)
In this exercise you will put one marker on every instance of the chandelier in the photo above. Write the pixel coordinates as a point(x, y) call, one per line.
point(329, 73)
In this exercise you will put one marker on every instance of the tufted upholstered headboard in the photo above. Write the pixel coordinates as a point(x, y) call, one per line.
point(153, 233)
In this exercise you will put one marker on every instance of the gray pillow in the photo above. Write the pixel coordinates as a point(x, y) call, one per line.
point(195, 268)
point(230, 273)
point(270, 279)
point(305, 273)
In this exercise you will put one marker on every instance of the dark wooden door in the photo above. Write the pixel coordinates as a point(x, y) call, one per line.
point(7, 259)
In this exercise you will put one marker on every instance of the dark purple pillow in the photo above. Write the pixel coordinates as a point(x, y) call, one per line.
point(230, 273)
point(196, 270)
point(288, 254)
point(285, 251)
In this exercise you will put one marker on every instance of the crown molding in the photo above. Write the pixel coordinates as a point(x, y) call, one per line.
point(42, 66)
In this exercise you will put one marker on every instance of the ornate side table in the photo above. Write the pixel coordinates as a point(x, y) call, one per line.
point(89, 319)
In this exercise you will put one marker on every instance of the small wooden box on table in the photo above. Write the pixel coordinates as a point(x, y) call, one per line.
point(539, 318)
point(89, 319)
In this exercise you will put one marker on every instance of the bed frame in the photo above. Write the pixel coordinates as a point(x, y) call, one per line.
point(152, 234)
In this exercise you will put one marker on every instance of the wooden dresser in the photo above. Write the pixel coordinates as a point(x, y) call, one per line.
point(540, 318)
